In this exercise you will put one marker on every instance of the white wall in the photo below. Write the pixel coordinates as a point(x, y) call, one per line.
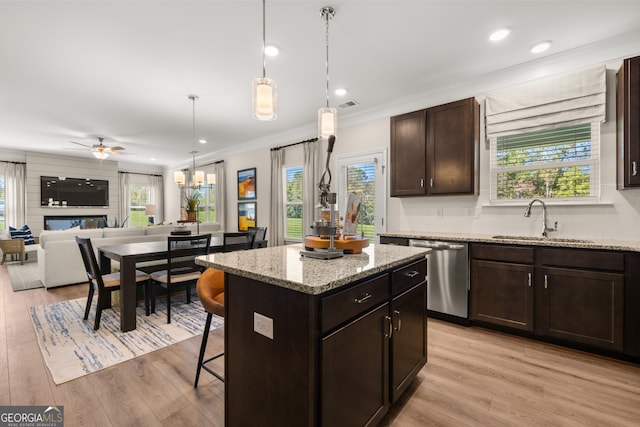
point(617, 217)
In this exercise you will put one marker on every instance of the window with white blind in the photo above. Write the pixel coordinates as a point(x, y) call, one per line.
point(562, 163)
point(293, 203)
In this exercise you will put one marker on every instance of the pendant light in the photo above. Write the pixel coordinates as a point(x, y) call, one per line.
point(264, 90)
point(327, 116)
point(197, 177)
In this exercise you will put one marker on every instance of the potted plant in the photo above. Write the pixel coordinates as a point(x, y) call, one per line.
point(192, 205)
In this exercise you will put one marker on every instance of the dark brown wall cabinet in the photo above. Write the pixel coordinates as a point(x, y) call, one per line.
point(628, 123)
point(435, 151)
point(571, 294)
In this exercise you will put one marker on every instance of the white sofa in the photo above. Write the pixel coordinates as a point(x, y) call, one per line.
point(59, 260)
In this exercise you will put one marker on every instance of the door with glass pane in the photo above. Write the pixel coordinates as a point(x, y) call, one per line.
point(363, 175)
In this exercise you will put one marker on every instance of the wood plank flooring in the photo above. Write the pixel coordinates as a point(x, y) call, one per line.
point(473, 377)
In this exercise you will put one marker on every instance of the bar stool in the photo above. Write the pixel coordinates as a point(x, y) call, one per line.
point(211, 293)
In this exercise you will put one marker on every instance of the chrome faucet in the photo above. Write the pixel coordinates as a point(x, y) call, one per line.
point(545, 229)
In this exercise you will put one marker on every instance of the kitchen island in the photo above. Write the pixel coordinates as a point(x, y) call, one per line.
point(320, 342)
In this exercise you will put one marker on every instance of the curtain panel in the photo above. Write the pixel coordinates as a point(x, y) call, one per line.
point(15, 194)
point(276, 225)
point(156, 184)
point(553, 102)
point(310, 192)
point(125, 197)
point(220, 193)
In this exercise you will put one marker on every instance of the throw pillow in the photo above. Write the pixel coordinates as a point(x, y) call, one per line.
point(22, 233)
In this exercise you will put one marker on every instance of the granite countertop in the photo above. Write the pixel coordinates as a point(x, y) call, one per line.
point(284, 266)
point(586, 243)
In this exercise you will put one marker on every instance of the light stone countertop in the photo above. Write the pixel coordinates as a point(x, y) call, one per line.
point(583, 243)
point(284, 266)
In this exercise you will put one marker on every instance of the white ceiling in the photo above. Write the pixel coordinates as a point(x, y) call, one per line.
point(75, 70)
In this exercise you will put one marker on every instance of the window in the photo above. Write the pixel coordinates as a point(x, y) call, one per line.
point(293, 203)
point(207, 206)
point(2, 205)
point(363, 175)
point(558, 163)
point(139, 197)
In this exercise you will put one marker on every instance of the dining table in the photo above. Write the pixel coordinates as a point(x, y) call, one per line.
point(129, 255)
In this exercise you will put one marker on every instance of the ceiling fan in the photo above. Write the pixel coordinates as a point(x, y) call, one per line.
point(101, 151)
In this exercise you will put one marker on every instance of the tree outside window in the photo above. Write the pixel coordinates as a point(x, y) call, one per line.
point(361, 182)
point(293, 203)
point(139, 197)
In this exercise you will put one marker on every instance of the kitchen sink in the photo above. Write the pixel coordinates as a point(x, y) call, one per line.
point(543, 239)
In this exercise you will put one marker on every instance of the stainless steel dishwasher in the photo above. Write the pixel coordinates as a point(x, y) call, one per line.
point(447, 279)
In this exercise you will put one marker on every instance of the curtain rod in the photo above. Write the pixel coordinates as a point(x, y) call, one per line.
point(295, 143)
point(138, 173)
point(13, 163)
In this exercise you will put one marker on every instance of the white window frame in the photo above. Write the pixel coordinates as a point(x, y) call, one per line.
point(594, 163)
point(286, 203)
point(379, 157)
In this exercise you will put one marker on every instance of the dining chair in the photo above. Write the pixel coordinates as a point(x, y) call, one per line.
point(211, 293)
point(182, 271)
point(260, 234)
point(237, 241)
point(105, 284)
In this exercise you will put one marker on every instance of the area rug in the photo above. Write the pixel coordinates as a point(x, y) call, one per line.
point(24, 276)
point(71, 348)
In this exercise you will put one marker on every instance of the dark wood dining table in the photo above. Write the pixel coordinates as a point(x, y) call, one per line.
point(129, 255)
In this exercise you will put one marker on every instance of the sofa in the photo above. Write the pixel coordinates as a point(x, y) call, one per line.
point(59, 260)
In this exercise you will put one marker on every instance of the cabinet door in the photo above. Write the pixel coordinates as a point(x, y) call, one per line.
point(628, 123)
point(502, 294)
point(355, 371)
point(584, 307)
point(452, 148)
point(409, 338)
point(408, 154)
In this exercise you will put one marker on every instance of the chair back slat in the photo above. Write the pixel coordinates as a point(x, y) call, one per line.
point(259, 232)
point(237, 241)
point(90, 262)
point(180, 253)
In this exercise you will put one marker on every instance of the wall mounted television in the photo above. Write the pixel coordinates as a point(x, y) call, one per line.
point(73, 192)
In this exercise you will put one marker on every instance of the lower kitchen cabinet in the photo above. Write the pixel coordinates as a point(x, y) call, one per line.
point(585, 307)
point(502, 294)
point(573, 295)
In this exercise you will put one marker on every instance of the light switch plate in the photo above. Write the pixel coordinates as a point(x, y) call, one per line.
point(263, 325)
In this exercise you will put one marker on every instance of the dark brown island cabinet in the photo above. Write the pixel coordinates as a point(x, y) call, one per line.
point(628, 124)
point(435, 151)
point(340, 358)
point(582, 297)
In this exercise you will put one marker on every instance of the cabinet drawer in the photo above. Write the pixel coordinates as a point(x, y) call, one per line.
point(408, 276)
point(503, 253)
point(575, 258)
point(344, 305)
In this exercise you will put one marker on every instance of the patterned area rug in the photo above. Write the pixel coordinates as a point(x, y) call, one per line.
point(71, 348)
point(25, 276)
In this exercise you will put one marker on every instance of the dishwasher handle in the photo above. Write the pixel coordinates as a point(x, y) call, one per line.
point(437, 246)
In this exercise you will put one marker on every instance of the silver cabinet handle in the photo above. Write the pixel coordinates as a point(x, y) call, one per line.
point(546, 282)
point(529, 274)
point(390, 327)
point(422, 183)
point(431, 182)
point(397, 313)
point(363, 299)
point(412, 273)
point(634, 168)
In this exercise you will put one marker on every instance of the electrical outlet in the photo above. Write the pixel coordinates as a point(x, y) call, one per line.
point(263, 325)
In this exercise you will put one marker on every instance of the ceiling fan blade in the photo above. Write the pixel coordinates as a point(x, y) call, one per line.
point(79, 143)
point(116, 148)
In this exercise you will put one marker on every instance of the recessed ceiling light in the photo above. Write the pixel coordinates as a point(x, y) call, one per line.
point(500, 34)
point(202, 141)
point(541, 47)
point(341, 91)
point(153, 159)
point(271, 50)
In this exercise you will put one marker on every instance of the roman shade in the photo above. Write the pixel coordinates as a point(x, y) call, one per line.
point(548, 103)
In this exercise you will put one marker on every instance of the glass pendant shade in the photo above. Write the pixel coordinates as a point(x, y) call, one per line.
point(199, 178)
point(265, 99)
point(327, 122)
point(100, 154)
point(178, 177)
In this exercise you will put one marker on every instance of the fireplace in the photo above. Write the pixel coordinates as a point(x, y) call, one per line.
point(64, 222)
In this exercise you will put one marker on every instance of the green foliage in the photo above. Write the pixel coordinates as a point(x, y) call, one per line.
point(193, 199)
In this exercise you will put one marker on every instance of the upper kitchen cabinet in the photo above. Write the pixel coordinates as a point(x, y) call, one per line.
point(435, 151)
point(628, 124)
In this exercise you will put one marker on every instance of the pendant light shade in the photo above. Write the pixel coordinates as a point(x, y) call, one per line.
point(264, 90)
point(327, 116)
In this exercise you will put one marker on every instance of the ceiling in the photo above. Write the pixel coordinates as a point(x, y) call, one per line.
point(123, 70)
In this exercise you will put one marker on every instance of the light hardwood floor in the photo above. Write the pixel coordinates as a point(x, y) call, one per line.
point(473, 377)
